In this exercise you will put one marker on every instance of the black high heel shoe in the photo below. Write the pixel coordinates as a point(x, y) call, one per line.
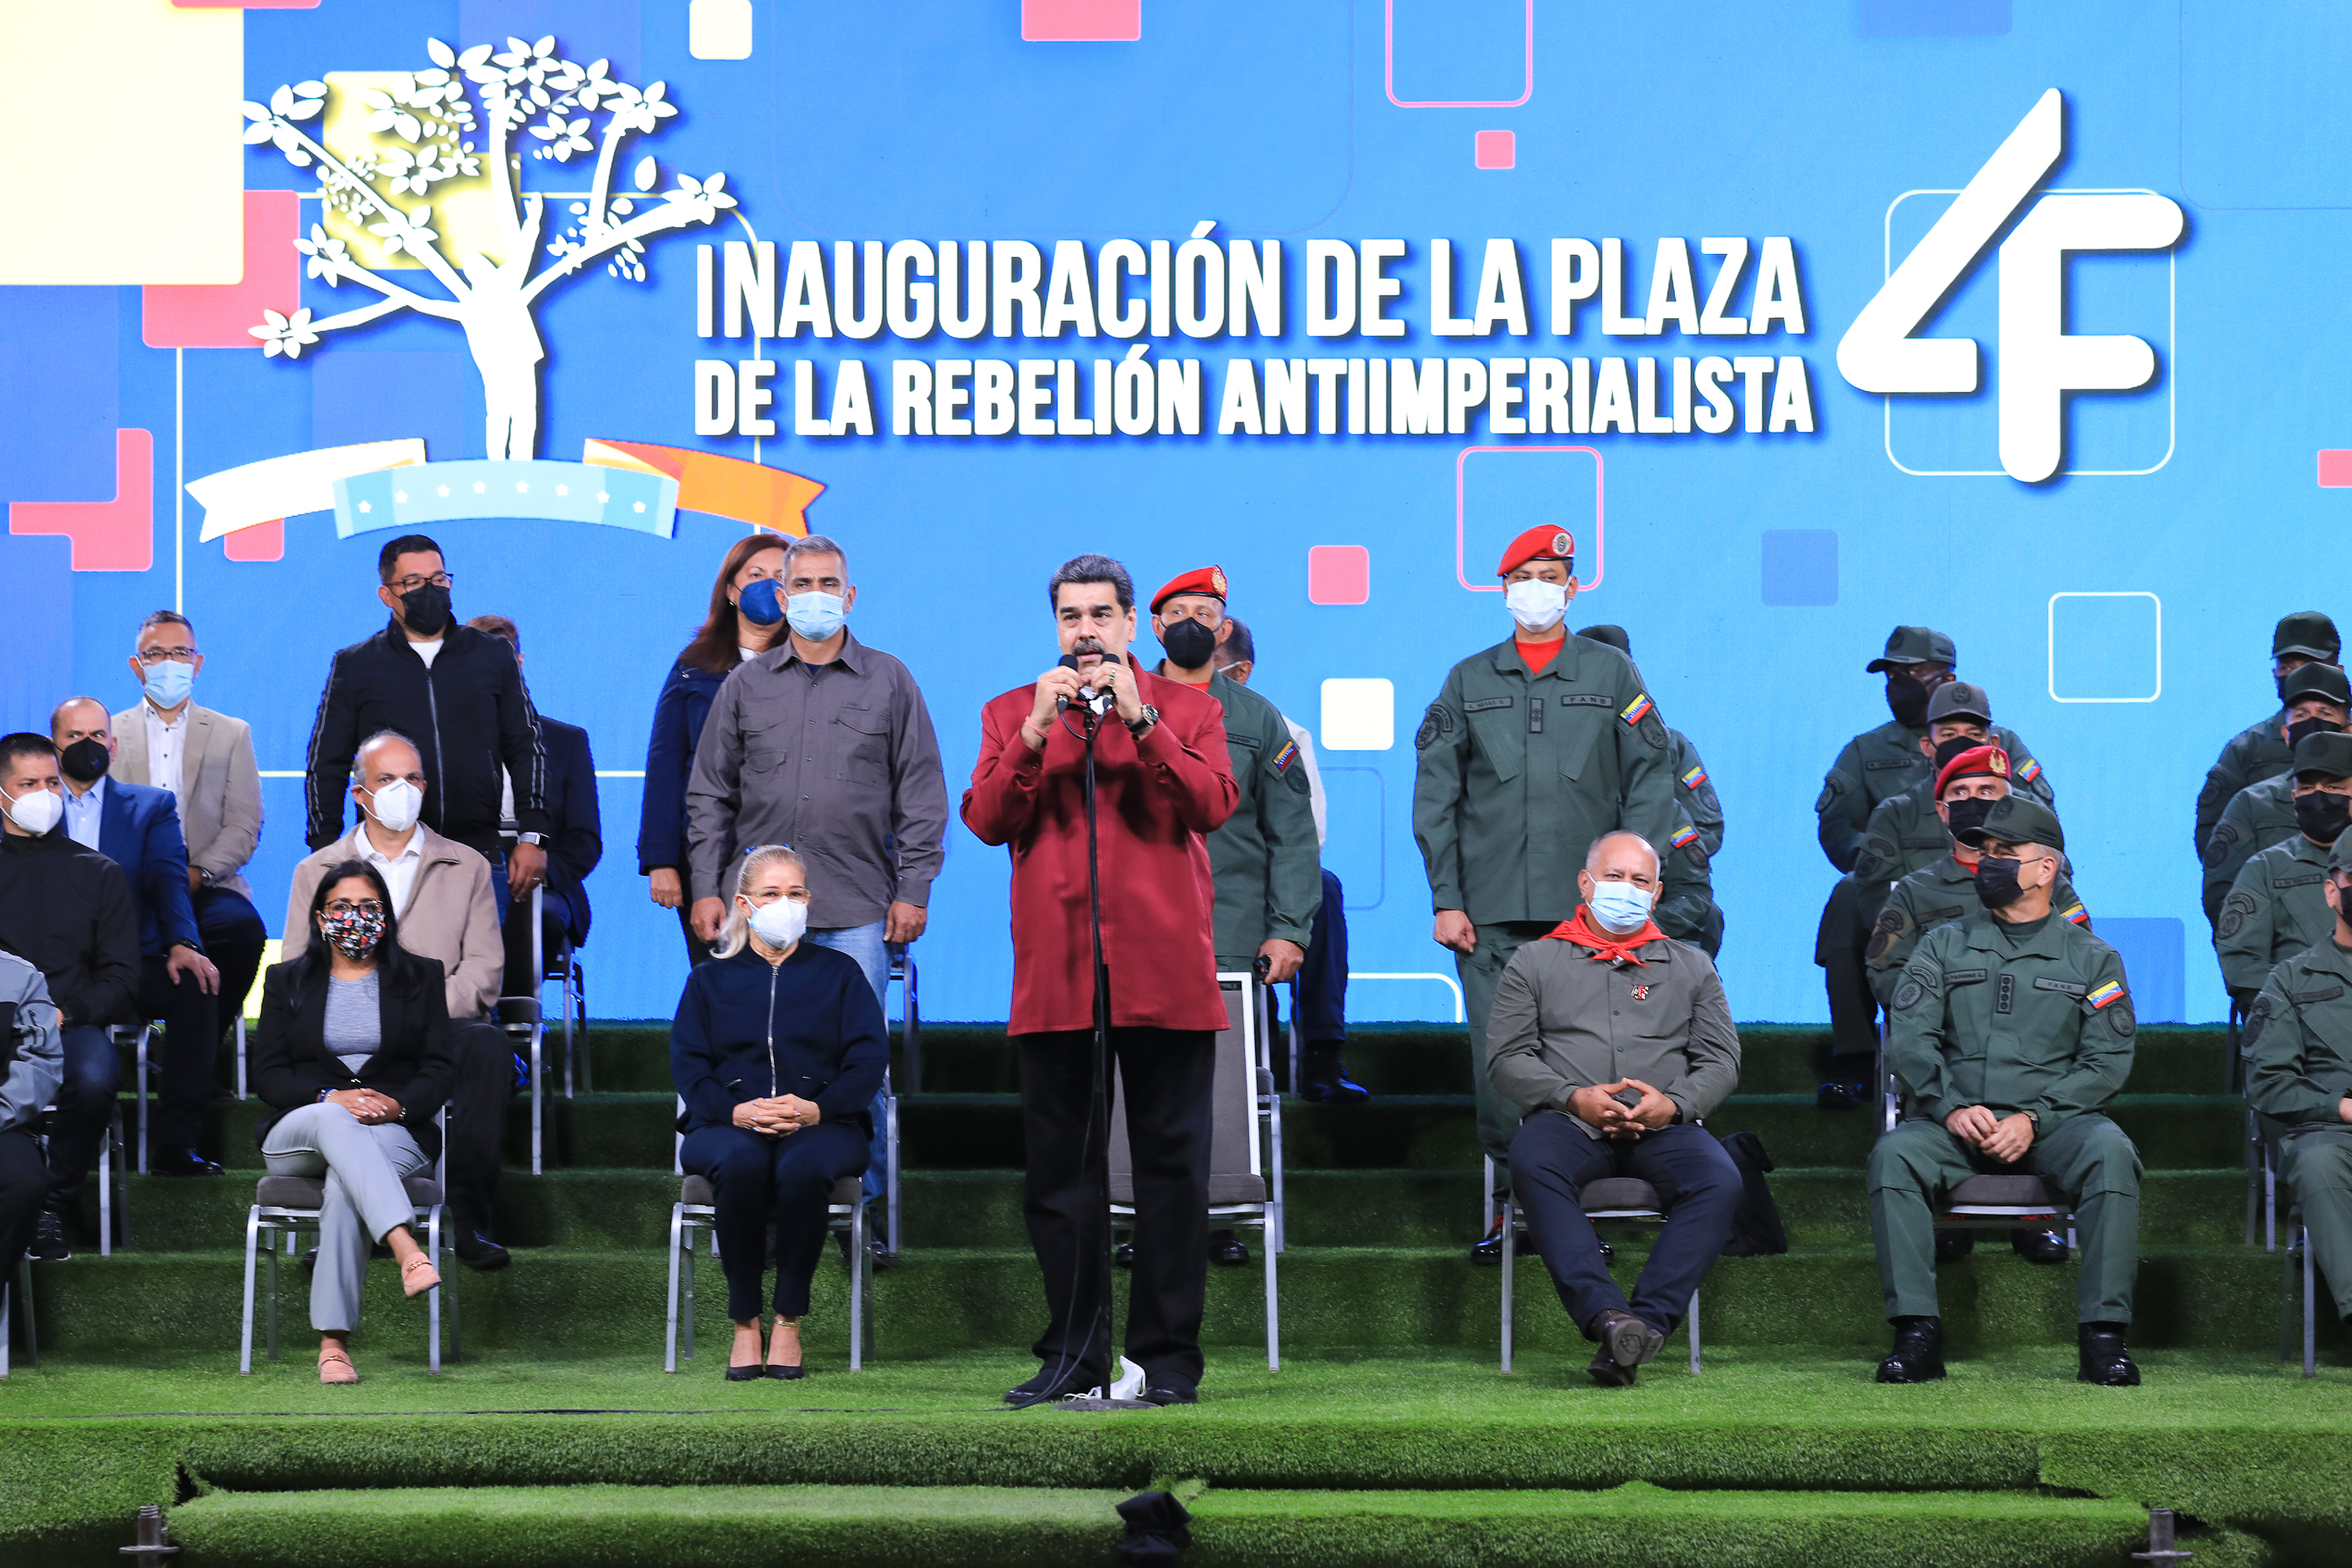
point(785, 1373)
point(752, 1373)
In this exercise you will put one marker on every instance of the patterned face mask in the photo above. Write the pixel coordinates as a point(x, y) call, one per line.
point(352, 932)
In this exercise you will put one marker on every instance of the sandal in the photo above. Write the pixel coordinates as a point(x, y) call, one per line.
point(334, 1366)
point(419, 1274)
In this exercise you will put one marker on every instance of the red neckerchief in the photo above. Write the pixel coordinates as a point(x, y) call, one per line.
point(1605, 948)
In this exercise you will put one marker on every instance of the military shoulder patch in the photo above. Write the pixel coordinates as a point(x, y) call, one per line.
point(1435, 725)
point(2217, 847)
point(1641, 707)
point(1695, 777)
point(1917, 984)
point(1685, 834)
point(1287, 755)
point(2076, 914)
point(2105, 996)
point(2235, 911)
point(2030, 771)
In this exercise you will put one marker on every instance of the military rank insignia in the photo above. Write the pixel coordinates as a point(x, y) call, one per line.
point(1637, 710)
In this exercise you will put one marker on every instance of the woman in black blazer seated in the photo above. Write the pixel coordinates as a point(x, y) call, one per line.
point(354, 1054)
point(778, 1049)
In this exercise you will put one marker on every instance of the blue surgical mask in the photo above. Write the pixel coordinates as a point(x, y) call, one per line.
point(168, 683)
point(760, 603)
point(815, 614)
point(1620, 907)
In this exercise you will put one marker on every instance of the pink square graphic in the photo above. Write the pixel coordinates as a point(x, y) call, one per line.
point(1339, 575)
point(1598, 561)
point(1081, 21)
point(117, 534)
point(262, 542)
point(1494, 149)
point(1389, 58)
point(217, 315)
point(2335, 468)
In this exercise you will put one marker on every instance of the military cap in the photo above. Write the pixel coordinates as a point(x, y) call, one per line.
point(1914, 645)
point(1973, 763)
point(1546, 542)
point(2016, 819)
point(1209, 581)
point(2327, 756)
point(2308, 633)
point(1613, 636)
point(2324, 681)
point(2340, 859)
point(1958, 699)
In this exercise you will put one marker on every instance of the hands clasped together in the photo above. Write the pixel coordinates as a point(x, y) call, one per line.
point(368, 1108)
point(779, 1117)
point(1597, 1106)
point(2005, 1138)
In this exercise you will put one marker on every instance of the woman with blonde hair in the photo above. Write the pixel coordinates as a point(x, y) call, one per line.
point(778, 1049)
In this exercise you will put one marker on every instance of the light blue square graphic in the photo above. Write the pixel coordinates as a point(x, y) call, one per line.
point(1801, 567)
point(2106, 647)
point(2155, 964)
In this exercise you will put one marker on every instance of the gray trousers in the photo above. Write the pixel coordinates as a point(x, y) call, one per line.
point(365, 1202)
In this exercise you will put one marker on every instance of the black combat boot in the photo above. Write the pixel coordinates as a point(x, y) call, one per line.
point(1919, 1352)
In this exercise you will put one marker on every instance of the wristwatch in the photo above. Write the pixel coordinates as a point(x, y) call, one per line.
point(1142, 723)
point(204, 876)
point(533, 839)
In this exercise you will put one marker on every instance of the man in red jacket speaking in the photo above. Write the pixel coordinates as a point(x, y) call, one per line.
point(1160, 781)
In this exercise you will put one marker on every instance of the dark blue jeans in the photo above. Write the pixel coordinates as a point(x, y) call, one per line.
point(1323, 978)
point(789, 1177)
point(85, 1100)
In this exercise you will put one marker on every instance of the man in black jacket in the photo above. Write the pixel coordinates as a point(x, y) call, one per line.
point(459, 694)
point(66, 911)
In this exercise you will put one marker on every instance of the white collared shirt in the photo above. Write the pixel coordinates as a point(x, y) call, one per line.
point(399, 870)
point(82, 813)
point(165, 740)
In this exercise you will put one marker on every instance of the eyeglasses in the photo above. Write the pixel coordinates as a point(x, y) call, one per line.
point(363, 907)
point(167, 656)
point(410, 585)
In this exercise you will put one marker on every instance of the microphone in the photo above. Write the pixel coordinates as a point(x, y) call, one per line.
point(1096, 698)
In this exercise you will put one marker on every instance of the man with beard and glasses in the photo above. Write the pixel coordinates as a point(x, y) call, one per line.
point(2258, 751)
point(458, 694)
point(2263, 814)
point(2010, 1034)
point(2278, 906)
point(1875, 764)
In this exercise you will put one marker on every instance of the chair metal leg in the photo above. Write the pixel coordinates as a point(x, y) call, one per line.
point(670, 1338)
point(538, 1102)
point(277, 1239)
point(252, 1239)
point(689, 1286)
point(1278, 1238)
point(1691, 1323)
point(23, 1296)
point(240, 1056)
point(3, 1328)
point(2270, 1201)
point(433, 1297)
point(2253, 1174)
point(1487, 1203)
point(145, 1032)
point(1510, 1256)
point(1269, 1227)
point(108, 1147)
point(2310, 1307)
point(890, 1165)
point(860, 1260)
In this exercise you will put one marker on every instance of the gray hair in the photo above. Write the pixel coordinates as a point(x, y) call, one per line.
point(814, 545)
point(1593, 854)
point(736, 934)
point(1091, 568)
point(361, 749)
point(166, 619)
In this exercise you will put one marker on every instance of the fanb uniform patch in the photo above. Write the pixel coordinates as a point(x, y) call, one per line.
point(1436, 725)
point(1917, 982)
point(1285, 763)
point(1882, 938)
point(2234, 909)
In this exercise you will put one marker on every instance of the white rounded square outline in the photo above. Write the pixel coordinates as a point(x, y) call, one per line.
point(2121, 593)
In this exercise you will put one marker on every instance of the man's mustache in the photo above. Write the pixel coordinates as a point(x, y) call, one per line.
point(1086, 644)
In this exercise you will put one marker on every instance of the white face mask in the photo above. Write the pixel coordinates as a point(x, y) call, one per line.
point(780, 922)
point(1536, 604)
point(37, 810)
point(398, 805)
point(1620, 907)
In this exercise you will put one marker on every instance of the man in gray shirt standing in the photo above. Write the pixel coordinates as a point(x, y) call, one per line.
point(1613, 1040)
point(823, 743)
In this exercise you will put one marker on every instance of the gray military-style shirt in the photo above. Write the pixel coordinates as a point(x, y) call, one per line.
point(1264, 859)
point(1934, 895)
point(1694, 791)
point(2257, 753)
point(2258, 816)
point(2275, 909)
point(1887, 760)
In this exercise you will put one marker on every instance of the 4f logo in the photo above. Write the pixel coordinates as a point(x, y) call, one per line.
point(2040, 363)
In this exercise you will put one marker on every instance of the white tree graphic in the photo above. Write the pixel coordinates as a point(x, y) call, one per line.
point(433, 114)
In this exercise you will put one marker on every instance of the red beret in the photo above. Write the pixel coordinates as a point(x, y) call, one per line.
point(1544, 543)
point(1975, 760)
point(1209, 580)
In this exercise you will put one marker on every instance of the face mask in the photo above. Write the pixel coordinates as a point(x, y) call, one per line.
point(815, 614)
point(2302, 727)
point(1996, 884)
point(37, 810)
point(1962, 815)
point(1536, 604)
point(425, 610)
point(1620, 907)
point(779, 923)
point(168, 683)
point(354, 933)
point(1946, 750)
point(86, 761)
point(1907, 699)
point(398, 805)
point(760, 603)
point(2322, 816)
point(1190, 644)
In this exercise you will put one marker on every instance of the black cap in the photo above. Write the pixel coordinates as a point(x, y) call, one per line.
point(1958, 699)
point(2327, 756)
point(2324, 681)
point(1915, 645)
point(2308, 633)
point(2016, 819)
point(1613, 636)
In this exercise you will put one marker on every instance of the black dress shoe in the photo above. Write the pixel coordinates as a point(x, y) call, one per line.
point(2044, 1246)
point(1952, 1246)
point(478, 1251)
point(2101, 1358)
point(1607, 1372)
point(1327, 1080)
point(174, 1162)
point(1838, 1095)
point(1124, 1256)
point(1044, 1387)
point(1227, 1249)
point(1627, 1339)
point(1489, 1252)
point(49, 1244)
point(1919, 1353)
point(1169, 1390)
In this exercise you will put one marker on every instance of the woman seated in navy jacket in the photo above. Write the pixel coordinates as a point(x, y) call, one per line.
point(778, 1049)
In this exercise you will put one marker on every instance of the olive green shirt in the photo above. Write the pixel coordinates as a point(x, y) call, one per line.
point(1905, 834)
point(1264, 858)
point(1885, 761)
point(1687, 910)
point(2298, 1039)
point(1937, 894)
point(1520, 772)
point(2259, 816)
point(2038, 1023)
point(1565, 1020)
point(1694, 791)
point(2276, 909)
point(2255, 754)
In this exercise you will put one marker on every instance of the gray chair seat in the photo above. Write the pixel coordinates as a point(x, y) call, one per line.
point(1235, 1188)
point(1615, 1193)
point(697, 1190)
point(2005, 1192)
point(311, 1192)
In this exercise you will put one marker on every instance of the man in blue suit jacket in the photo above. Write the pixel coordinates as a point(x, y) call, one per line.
point(138, 828)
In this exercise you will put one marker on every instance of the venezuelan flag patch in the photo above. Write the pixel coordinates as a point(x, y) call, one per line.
point(1287, 755)
point(1637, 710)
point(1694, 778)
point(2104, 994)
point(1684, 835)
point(2029, 771)
point(2075, 915)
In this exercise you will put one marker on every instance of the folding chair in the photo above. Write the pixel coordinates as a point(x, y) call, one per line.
point(695, 1210)
point(1245, 1143)
point(24, 1291)
point(2298, 1249)
point(286, 1206)
point(114, 1172)
point(1605, 1197)
point(1985, 1202)
point(525, 1023)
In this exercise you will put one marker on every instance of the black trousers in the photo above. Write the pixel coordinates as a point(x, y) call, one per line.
point(698, 952)
point(1838, 949)
point(1168, 1075)
point(478, 1118)
point(191, 1033)
point(789, 1178)
point(233, 938)
point(23, 1192)
point(516, 935)
point(85, 1100)
point(1551, 1160)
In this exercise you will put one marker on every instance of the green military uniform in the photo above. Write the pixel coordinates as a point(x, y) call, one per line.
point(1519, 772)
point(1263, 860)
point(2274, 911)
point(1936, 895)
point(2298, 1050)
point(1694, 791)
point(2260, 751)
point(2031, 1018)
point(2263, 814)
point(1880, 763)
point(1687, 910)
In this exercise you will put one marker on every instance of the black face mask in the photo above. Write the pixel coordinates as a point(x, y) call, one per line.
point(2302, 727)
point(86, 761)
point(1946, 750)
point(1962, 815)
point(426, 609)
point(1189, 643)
point(2322, 817)
point(1997, 883)
point(1907, 699)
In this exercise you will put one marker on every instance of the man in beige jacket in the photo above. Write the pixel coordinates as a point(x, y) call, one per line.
point(205, 759)
point(441, 896)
